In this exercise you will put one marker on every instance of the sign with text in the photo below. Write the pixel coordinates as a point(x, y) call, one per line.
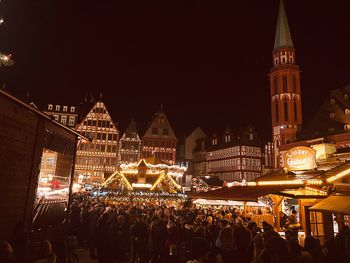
point(299, 158)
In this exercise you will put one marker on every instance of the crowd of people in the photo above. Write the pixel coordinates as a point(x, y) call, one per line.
point(151, 233)
point(113, 233)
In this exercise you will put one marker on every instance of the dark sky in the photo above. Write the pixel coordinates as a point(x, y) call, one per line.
point(206, 61)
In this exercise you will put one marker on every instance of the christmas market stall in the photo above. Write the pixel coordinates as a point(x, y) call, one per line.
point(299, 189)
point(148, 181)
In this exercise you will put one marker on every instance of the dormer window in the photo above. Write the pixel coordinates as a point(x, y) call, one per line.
point(65, 108)
point(72, 109)
point(227, 138)
point(331, 115)
point(49, 107)
point(58, 107)
point(215, 141)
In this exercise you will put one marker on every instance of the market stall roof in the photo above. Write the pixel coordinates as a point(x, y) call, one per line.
point(241, 193)
point(227, 203)
point(306, 192)
point(334, 203)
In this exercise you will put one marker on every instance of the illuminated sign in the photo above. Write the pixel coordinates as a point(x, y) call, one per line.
point(299, 159)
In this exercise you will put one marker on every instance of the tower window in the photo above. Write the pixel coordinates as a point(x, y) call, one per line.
point(285, 105)
point(347, 111)
point(331, 115)
point(331, 101)
point(294, 84)
point(275, 85)
point(276, 110)
point(284, 84)
point(295, 110)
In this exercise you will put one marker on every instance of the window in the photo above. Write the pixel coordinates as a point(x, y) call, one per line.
point(104, 135)
point(295, 110)
point(65, 108)
point(58, 107)
point(284, 84)
point(56, 117)
point(316, 225)
point(64, 120)
point(165, 132)
point(346, 96)
point(275, 85)
point(110, 136)
point(71, 121)
point(72, 109)
point(154, 130)
point(276, 111)
point(347, 111)
point(294, 84)
point(331, 115)
point(331, 101)
point(49, 107)
point(285, 105)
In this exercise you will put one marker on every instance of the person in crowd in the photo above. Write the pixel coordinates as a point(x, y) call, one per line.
point(104, 237)
point(313, 246)
point(139, 235)
point(242, 239)
point(199, 250)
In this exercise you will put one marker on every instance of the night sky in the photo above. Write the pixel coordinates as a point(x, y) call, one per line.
point(207, 62)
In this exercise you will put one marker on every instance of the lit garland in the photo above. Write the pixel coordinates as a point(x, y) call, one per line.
point(5, 60)
point(338, 176)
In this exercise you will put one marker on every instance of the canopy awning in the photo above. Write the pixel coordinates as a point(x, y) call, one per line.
point(241, 193)
point(227, 203)
point(334, 203)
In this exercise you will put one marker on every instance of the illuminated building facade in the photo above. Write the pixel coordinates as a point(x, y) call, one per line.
point(159, 140)
point(286, 110)
point(98, 158)
point(129, 145)
point(67, 115)
point(234, 156)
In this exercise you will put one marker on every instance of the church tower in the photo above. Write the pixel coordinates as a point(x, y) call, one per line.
point(286, 111)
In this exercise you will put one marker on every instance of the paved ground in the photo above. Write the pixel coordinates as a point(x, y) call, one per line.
point(84, 256)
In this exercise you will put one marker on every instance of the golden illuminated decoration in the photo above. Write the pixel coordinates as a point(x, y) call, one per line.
point(299, 158)
point(146, 176)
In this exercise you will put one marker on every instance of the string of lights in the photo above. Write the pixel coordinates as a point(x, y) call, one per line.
point(5, 60)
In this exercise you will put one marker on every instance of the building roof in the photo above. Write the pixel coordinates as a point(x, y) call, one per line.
point(130, 129)
point(331, 117)
point(41, 114)
point(160, 122)
point(282, 37)
point(334, 203)
point(246, 136)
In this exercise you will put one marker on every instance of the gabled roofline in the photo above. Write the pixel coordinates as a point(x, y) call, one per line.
point(41, 114)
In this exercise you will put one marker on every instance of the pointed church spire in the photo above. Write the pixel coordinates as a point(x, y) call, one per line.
point(282, 37)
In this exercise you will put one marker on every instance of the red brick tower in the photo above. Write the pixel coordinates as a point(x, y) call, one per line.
point(285, 87)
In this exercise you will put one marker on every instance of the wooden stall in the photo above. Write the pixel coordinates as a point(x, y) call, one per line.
point(25, 134)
